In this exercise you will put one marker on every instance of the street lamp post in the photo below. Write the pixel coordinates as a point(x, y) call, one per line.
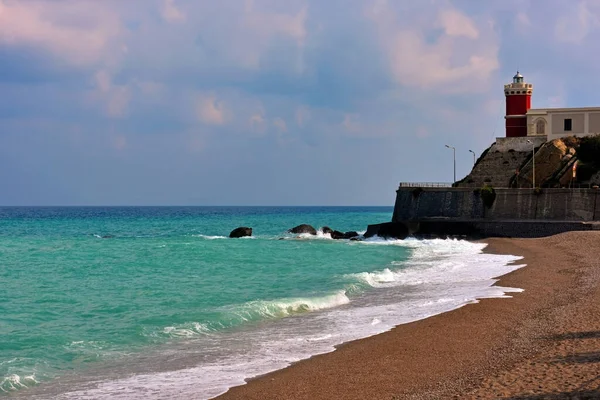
point(454, 152)
point(474, 161)
point(532, 159)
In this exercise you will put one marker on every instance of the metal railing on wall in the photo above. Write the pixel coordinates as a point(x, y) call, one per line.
point(473, 185)
point(425, 184)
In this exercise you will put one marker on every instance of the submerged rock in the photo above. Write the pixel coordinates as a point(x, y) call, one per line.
point(304, 228)
point(242, 231)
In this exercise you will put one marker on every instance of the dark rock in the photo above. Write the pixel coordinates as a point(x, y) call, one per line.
point(388, 230)
point(337, 235)
point(355, 239)
point(371, 230)
point(303, 229)
point(341, 235)
point(108, 237)
point(326, 230)
point(240, 232)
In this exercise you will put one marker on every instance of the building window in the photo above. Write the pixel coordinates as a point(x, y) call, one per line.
point(568, 125)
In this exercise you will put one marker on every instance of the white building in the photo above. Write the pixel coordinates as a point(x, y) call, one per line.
point(560, 122)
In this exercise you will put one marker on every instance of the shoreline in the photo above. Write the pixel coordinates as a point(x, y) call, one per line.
point(469, 352)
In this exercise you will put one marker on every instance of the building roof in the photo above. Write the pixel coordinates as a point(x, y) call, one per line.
point(563, 109)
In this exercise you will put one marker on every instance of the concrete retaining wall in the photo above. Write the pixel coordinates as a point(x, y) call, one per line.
point(480, 229)
point(510, 204)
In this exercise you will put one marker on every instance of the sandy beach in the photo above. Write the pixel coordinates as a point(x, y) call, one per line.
point(543, 343)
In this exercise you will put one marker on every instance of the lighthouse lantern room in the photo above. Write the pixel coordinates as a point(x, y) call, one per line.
point(518, 102)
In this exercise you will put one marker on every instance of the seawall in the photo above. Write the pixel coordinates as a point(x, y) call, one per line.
point(510, 204)
point(513, 213)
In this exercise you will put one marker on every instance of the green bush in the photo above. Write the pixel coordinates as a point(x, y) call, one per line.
point(585, 171)
point(488, 195)
point(589, 150)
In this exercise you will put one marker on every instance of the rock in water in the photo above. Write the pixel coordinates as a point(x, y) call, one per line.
point(342, 235)
point(337, 235)
point(303, 229)
point(326, 230)
point(388, 230)
point(240, 232)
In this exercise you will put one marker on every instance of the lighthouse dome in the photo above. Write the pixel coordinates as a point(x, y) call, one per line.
point(518, 78)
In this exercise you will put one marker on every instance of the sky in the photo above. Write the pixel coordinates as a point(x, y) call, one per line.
point(269, 102)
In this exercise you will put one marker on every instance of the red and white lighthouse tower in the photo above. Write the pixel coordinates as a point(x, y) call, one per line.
point(518, 101)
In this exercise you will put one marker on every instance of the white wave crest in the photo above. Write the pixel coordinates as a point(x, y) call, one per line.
point(321, 236)
point(438, 262)
point(209, 237)
point(286, 307)
point(189, 329)
point(376, 279)
point(14, 382)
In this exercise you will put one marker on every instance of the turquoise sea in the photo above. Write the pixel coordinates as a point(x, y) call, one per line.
point(157, 302)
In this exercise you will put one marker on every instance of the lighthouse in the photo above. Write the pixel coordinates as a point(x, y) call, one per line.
point(518, 102)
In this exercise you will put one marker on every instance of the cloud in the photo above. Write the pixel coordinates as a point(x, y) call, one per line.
point(523, 21)
point(260, 28)
point(302, 115)
point(116, 97)
point(210, 111)
point(460, 59)
point(81, 32)
point(280, 125)
point(171, 13)
point(350, 123)
point(457, 24)
point(257, 123)
point(268, 23)
point(577, 22)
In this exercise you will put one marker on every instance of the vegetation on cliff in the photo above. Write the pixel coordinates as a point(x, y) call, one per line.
point(588, 151)
point(488, 195)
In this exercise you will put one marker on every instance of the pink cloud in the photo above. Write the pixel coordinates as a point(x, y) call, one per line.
point(461, 59)
point(211, 111)
point(78, 31)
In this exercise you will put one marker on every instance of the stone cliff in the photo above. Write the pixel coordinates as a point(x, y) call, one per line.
point(508, 163)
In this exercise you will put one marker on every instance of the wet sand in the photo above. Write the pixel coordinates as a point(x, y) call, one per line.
point(543, 343)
